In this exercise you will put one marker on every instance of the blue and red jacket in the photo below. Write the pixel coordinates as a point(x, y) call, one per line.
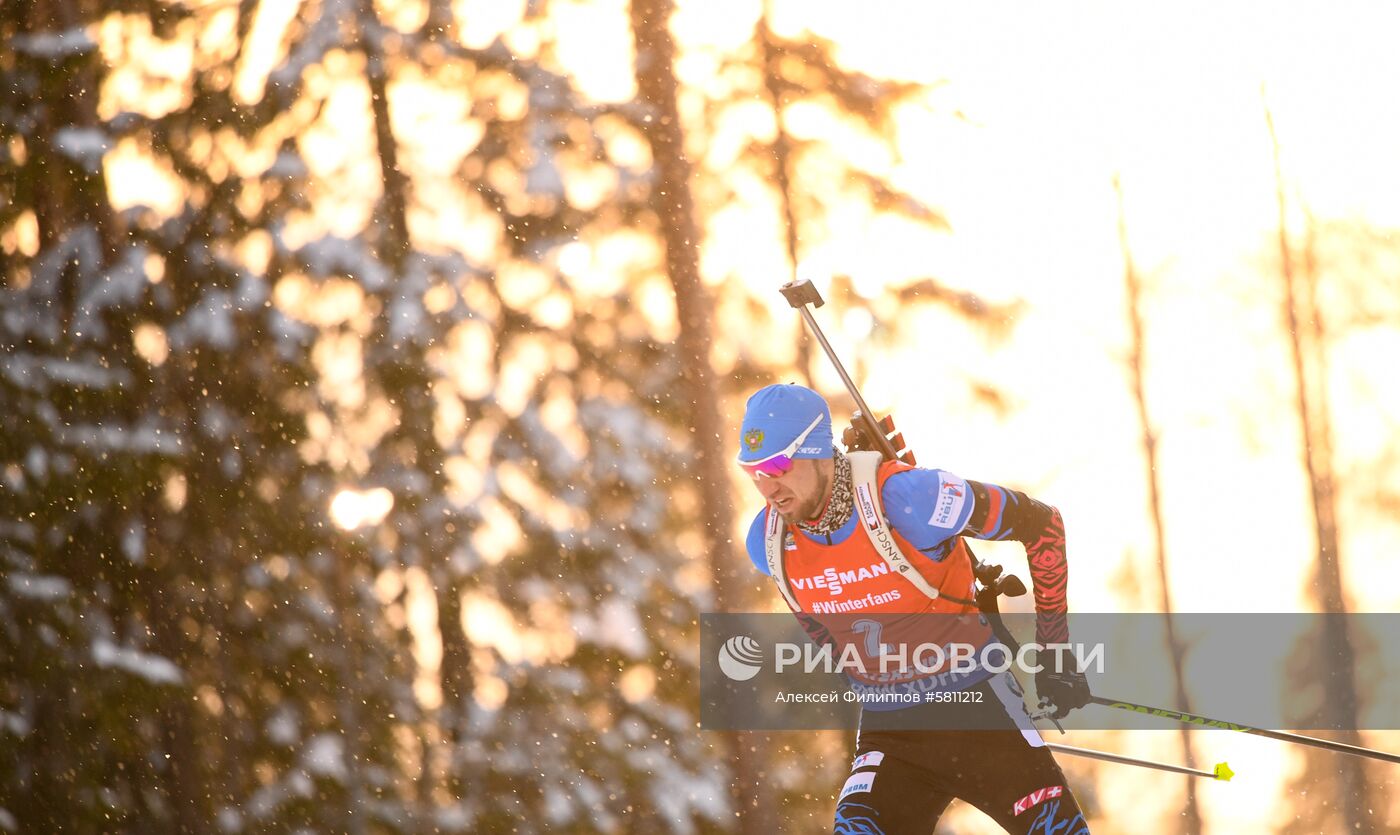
point(930, 512)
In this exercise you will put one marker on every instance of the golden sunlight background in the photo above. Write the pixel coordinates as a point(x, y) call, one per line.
point(1027, 115)
point(1058, 101)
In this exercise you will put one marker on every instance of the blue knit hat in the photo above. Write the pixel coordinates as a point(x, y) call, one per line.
point(776, 415)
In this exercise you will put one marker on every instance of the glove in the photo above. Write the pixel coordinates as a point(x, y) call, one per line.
point(1064, 691)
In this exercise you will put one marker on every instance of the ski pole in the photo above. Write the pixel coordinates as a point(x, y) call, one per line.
point(1011, 585)
point(1282, 736)
point(987, 602)
point(803, 292)
point(1221, 772)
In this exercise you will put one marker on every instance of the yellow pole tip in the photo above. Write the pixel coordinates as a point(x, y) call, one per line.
point(1223, 772)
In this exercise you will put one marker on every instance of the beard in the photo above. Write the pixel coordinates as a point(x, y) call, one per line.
point(813, 506)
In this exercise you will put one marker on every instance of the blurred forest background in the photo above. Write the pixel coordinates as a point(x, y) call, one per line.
point(369, 372)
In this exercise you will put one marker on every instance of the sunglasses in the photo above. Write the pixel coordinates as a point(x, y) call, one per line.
point(779, 462)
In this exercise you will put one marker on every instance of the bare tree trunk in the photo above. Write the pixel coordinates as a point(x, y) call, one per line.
point(442, 733)
point(393, 243)
point(456, 680)
point(393, 247)
point(782, 169)
point(1190, 814)
point(73, 194)
point(340, 580)
point(656, 83)
point(188, 787)
point(1340, 708)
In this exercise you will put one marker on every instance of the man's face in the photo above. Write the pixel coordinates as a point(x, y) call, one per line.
point(800, 493)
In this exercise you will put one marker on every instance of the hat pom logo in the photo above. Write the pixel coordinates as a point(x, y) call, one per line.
point(753, 439)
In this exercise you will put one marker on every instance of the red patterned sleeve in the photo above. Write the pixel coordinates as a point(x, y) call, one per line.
point(1000, 514)
point(1050, 580)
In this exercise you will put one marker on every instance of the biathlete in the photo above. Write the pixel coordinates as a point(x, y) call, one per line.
point(855, 545)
